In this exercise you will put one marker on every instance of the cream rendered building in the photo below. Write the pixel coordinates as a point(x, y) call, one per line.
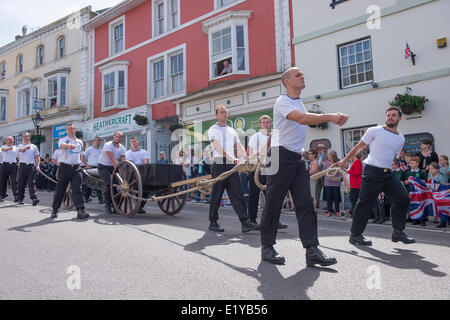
point(355, 63)
point(48, 65)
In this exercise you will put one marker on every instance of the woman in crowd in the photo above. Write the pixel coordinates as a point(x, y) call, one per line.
point(426, 155)
point(443, 162)
point(332, 185)
point(313, 169)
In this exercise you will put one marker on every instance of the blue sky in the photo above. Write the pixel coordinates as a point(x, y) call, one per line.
point(34, 14)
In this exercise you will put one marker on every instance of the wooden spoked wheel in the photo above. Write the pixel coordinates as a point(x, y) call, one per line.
point(68, 198)
point(174, 205)
point(126, 184)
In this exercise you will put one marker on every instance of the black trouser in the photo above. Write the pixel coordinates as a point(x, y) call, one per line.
point(26, 176)
point(253, 194)
point(319, 186)
point(68, 173)
point(374, 181)
point(105, 174)
point(9, 172)
point(233, 186)
point(292, 175)
point(354, 195)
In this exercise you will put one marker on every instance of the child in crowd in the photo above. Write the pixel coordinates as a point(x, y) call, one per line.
point(443, 162)
point(414, 171)
point(436, 178)
point(355, 173)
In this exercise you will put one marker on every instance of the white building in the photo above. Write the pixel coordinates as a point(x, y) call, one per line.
point(356, 64)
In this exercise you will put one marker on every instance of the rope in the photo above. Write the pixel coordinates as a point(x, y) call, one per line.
point(331, 173)
point(46, 176)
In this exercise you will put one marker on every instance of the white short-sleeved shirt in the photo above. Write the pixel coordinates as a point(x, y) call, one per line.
point(70, 156)
point(258, 141)
point(10, 155)
point(384, 145)
point(1, 157)
point(118, 152)
point(287, 133)
point(226, 136)
point(55, 155)
point(28, 155)
point(91, 155)
point(137, 157)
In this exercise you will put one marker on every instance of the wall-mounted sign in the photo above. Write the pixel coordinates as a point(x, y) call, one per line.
point(59, 131)
point(442, 42)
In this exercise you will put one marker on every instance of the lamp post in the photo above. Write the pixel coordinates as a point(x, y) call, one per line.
point(37, 121)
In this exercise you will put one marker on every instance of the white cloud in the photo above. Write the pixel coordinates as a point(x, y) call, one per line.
point(34, 14)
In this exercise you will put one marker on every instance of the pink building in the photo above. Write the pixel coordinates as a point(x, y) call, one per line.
point(175, 60)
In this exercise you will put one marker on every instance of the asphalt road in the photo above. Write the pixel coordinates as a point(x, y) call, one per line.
point(154, 256)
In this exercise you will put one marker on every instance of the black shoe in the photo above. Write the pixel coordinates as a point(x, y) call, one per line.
point(282, 226)
point(54, 213)
point(16, 199)
point(141, 211)
point(214, 226)
point(35, 202)
point(270, 255)
point(399, 235)
point(81, 214)
point(315, 256)
point(247, 226)
point(1, 200)
point(381, 221)
point(88, 200)
point(374, 221)
point(415, 222)
point(21, 202)
point(360, 240)
point(442, 225)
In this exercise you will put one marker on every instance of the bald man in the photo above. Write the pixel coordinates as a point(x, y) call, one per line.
point(290, 124)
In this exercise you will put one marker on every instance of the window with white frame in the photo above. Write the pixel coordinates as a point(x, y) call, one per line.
point(40, 56)
point(24, 103)
point(222, 3)
point(167, 75)
point(20, 64)
point(3, 70)
point(61, 45)
point(352, 137)
point(355, 63)
point(56, 91)
point(117, 36)
point(3, 106)
point(115, 85)
point(166, 16)
point(228, 37)
point(26, 92)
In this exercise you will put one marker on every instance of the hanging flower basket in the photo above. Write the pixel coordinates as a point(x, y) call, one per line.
point(79, 134)
point(140, 120)
point(323, 125)
point(409, 103)
point(174, 126)
point(35, 138)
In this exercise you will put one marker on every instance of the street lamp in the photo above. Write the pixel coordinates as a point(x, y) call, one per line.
point(37, 121)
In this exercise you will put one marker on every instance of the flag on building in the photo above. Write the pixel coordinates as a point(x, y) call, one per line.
point(426, 202)
point(408, 52)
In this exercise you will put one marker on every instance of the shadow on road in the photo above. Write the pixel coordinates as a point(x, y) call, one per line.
point(402, 259)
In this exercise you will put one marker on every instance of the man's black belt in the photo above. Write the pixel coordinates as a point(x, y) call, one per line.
point(384, 170)
point(69, 165)
point(4, 162)
point(26, 164)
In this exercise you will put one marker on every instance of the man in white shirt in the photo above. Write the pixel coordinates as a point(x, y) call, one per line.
point(138, 156)
point(258, 146)
point(385, 143)
point(223, 140)
point(1, 168)
point(90, 160)
point(9, 170)
point(290, 125)
point(69, 171)
point(29, 161)
point(112, 152)
point(55, 157)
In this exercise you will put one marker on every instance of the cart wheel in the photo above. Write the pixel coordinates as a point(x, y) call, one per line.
point(174, 205)
point(126, 184)
point(68, 199)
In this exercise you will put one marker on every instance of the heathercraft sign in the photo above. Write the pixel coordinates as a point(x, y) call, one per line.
point(106, 126)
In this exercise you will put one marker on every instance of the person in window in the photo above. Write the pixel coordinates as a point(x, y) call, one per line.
point(227, 68)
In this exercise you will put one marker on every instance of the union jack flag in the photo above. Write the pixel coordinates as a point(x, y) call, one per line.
point(408, 52)
point(403, 165)
point(428, 201)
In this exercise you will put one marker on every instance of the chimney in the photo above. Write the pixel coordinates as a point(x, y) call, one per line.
point(24, 31)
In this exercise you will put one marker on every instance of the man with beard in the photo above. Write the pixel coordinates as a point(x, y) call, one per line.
point(385, 143)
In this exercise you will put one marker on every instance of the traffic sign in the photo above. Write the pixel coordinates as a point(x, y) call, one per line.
point(38, 104)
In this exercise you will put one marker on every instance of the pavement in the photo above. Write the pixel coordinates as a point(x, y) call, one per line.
point(154, 256)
